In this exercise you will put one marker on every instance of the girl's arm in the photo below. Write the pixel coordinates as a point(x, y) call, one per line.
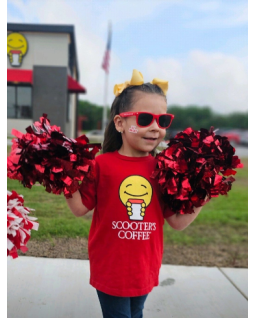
point(76, 206)
point(181, 221)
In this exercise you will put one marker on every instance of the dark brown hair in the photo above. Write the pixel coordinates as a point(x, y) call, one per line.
point(124, 103)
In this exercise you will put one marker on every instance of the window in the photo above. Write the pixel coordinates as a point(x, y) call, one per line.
point(11, 101)
point(19, 102)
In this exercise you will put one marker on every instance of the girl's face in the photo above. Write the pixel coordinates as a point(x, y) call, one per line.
point(139, 141)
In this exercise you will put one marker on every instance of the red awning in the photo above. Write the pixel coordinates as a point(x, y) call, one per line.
point(20, 76)
point(74, 86)
point(26, 77)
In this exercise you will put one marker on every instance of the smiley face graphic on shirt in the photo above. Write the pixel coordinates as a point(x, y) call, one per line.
point(135, 193)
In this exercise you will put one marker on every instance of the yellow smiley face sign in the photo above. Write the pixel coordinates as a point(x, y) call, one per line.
point(135, 193)
point(16, 48)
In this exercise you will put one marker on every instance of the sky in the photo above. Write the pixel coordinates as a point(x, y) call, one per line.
point(200, 47)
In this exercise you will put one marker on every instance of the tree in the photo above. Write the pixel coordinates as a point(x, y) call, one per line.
point(188, 116)
point(93, 113)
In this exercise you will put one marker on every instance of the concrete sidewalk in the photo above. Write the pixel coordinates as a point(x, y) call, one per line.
point(59, 288)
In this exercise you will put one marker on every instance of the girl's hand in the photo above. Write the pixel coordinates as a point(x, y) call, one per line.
point(76, 206)
point(181, 221)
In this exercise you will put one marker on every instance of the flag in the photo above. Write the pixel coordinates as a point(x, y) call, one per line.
point(105, 63)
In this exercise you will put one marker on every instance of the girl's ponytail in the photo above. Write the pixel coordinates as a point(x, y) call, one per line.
point(112, 138)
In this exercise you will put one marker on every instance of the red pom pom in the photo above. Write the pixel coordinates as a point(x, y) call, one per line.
point(19, 224)
point(196, 165)
point(45, 155)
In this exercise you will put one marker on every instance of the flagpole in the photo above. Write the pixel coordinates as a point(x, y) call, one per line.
point(104, 118)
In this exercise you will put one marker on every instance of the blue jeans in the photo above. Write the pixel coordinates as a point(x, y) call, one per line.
point(121, 307)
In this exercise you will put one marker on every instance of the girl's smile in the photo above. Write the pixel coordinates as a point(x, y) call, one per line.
point(150, 138)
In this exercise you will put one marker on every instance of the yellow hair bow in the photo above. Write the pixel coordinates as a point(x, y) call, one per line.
point(137, 79)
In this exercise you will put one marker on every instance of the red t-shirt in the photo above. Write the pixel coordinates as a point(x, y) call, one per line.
point(125, 244)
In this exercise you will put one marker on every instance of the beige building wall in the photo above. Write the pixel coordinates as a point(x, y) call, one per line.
point(18, 124)
point(44, 49)
point(48, 49)
point(72, 114)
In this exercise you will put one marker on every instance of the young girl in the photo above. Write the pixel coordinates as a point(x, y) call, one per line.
point(126, 236)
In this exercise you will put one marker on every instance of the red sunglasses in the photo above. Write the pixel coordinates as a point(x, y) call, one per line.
point(146, 119)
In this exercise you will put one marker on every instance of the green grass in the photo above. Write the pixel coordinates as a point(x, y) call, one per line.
point(223, 220)
point(52, 211)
